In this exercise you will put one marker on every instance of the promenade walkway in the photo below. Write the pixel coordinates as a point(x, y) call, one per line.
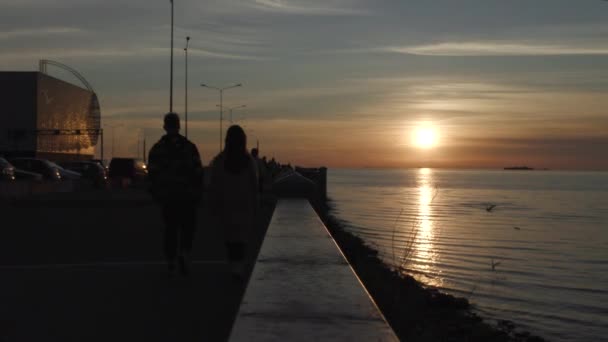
point(89, 267)
point(302, 288)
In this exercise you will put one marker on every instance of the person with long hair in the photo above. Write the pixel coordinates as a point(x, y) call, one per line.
point(235, 196)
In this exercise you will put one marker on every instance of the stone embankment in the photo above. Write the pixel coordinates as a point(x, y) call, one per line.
point(416, 312)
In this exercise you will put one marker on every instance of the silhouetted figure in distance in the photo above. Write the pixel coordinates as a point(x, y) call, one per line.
point(234, 199)
point(176, 183)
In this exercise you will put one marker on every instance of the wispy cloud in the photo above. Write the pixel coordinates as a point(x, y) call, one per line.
point(113, 53)
point(490, 48)
point(309, 7)
point(219, 36)
point(44, 31)
point(218, 55)
point(22, 54)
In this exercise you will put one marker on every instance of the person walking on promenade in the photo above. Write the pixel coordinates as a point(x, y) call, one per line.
point(234, 196)
point(175, 172)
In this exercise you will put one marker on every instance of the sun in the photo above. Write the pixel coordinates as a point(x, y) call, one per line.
point(425, 137)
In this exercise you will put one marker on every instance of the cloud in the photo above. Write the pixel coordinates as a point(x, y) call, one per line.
point(113, 53)
point(217, 35)
point(489, 48)
point(308, 7)
point(44, 31)
point(50, 53)
point(220, 55)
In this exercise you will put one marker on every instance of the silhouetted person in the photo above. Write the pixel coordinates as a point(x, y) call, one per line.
point(234, 196)
point(176, 183)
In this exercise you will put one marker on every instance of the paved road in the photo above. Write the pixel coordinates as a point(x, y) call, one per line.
point(88, 267)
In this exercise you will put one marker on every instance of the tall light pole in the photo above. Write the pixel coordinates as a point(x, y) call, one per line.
point(171, 68)
point(233, 108)
point(186, 85)
point(221, 90)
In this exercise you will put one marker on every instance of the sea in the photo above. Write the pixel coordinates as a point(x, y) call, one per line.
point(526, 246)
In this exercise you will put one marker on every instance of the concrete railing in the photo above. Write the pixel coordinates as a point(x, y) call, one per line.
point(303, 289)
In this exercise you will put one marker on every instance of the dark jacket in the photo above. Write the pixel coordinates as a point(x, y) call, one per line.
point(175, 170)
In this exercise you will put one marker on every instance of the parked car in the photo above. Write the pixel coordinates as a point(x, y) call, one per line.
point(7, 171)
point(128, 170)
point(89, 170)
point(42, 166)
point(67, 174)
point(103, 163)
point(29, 176)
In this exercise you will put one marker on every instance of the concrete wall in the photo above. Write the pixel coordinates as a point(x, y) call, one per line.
point(303, 289)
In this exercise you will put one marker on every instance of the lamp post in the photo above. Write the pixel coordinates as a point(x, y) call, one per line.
point(221, 91)
point(171, 67)
point(233, 108)
point(186, 85)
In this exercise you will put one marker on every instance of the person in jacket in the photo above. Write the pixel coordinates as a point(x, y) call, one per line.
point(234, 196)
point(175, 173)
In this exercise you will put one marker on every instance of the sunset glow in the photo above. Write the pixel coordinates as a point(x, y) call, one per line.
point(425, 137)
point(530, 90)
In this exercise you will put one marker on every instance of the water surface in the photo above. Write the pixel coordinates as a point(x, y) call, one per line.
point(539, 257)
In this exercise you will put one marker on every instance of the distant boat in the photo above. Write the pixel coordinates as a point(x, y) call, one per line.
point(519, 168)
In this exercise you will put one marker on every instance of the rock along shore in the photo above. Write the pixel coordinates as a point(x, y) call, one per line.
point(415, 312)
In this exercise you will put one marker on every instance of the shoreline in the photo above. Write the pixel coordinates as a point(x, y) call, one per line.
point(414, 311)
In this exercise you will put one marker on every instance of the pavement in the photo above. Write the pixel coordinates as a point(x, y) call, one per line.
point(89, 267)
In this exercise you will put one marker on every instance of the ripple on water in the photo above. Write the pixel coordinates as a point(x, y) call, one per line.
point(547, 238)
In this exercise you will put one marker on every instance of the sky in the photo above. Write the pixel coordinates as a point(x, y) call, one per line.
point(341, 83)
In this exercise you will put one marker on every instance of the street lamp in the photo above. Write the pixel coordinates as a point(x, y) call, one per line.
point(221, 90)
point(186, 85)
point(171, 67)
point(233, 108)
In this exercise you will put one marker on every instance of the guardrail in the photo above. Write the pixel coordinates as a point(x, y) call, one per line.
point(303, 289)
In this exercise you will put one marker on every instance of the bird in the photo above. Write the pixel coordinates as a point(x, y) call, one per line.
point(494, 264)
point(490, 207)
point(517, 228)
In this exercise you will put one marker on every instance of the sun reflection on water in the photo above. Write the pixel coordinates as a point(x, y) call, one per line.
point(424, 253)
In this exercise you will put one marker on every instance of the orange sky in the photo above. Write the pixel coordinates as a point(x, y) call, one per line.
point(342, 83)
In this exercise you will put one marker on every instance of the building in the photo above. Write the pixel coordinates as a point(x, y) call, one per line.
point(45, 117)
